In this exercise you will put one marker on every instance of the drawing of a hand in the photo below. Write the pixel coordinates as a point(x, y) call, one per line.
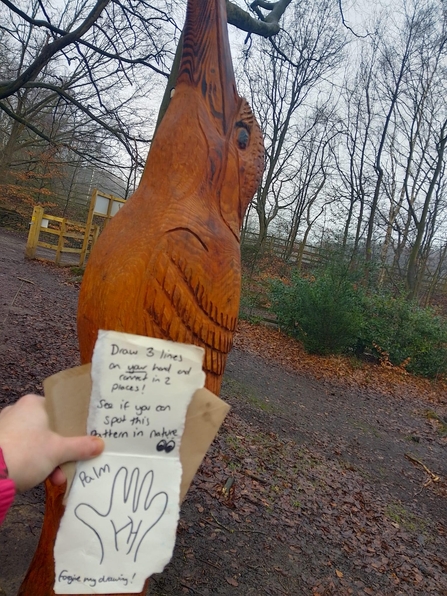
point(130, 516)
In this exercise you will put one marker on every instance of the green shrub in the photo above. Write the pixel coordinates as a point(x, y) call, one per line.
point(323, 312)
point(405, 333)
point(330, 313)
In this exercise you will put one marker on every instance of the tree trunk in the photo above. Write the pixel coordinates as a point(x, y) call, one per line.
point(412, 269)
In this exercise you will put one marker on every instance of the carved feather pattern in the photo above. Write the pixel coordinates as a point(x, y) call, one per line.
point(181, 309)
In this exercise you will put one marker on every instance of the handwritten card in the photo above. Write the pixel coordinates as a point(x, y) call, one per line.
point(121, 516)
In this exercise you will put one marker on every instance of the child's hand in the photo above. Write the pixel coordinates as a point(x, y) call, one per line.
point(32, 451)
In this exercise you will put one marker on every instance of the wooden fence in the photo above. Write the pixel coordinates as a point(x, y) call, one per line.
point(305, 255)
point(61, 236)
point(432, 286)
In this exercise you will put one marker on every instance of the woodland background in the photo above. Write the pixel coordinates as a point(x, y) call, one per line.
point(351, 100)
point(328, 477)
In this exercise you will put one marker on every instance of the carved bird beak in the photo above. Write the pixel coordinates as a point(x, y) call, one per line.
point(206, 63)
point(207, 155)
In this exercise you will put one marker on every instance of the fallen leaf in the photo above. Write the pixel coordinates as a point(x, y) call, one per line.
point(232, 581)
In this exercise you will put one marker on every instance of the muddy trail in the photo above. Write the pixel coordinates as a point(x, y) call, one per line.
point(317, 484)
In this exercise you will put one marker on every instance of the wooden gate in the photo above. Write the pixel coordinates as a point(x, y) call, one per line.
point(71, 239)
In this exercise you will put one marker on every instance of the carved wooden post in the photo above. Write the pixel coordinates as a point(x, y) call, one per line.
point(168, 264)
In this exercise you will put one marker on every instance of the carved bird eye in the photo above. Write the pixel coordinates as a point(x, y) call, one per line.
point(242, 138)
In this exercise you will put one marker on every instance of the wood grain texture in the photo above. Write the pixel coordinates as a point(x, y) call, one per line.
point(168, 264)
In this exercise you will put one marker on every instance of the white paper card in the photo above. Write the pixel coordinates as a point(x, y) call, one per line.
point(121, 516)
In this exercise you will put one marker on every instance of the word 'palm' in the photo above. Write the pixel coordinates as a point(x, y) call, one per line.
point(131, 514)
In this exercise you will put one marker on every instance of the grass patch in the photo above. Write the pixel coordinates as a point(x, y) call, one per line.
point(78, 271)
point(441, 423)
point(234, 442)
point(237, 389)
point(366, 428)
point(397, 513)
point(260, 404)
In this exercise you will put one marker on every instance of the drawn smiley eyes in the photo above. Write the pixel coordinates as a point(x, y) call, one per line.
point(165, 446)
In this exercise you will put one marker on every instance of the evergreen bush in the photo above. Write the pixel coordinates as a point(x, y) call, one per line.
point(324, 312)
point(331, 313)
point(405, 333)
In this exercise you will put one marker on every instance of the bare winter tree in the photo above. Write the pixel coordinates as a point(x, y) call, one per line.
point(110, 44)
point(390, 167)
point(92, 56)
point(353, 155)
point(285, 77)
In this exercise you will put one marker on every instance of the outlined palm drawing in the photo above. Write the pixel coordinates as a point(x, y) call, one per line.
point(130, 516)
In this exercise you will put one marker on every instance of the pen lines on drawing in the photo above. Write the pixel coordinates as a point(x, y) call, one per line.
point(130, 500)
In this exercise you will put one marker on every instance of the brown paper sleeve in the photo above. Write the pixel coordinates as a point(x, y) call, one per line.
point(67, 396)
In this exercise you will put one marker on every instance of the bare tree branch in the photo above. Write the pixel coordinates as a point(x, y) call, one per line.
point(49, 50)
point(69, 98)
point(345, 24)
point(44, 136)
point(144, 60)
point(31, 20)
point(263, 26)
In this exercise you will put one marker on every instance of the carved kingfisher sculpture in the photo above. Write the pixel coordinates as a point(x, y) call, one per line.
point(168, 264)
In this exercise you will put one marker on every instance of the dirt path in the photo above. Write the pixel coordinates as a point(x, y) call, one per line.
point(320, 497)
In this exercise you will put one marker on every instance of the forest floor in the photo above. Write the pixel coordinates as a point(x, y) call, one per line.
point(335, 470)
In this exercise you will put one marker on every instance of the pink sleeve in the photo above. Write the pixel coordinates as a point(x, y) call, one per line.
point(7, 489)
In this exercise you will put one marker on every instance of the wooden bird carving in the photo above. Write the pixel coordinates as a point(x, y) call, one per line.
point(168, 264)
